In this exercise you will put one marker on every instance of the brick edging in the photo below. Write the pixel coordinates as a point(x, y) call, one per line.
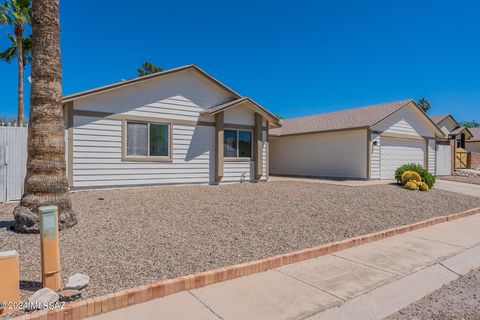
point(114, 301)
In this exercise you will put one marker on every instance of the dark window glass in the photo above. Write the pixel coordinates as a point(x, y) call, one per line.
point(244, 144)
point(230, 143)
point(159, 140)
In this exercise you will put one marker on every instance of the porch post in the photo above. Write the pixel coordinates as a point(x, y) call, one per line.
point(219, 146)
point(267, 142)
point(257, 146)
point(453, 146)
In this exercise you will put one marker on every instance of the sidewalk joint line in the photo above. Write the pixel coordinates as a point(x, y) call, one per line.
point(369, 266)
point(441, 263)
point(418, 237)
point(205, 305)
point(311, 285)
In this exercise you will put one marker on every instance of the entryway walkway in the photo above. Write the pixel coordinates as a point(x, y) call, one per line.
point(459, 187)
point(370, 281)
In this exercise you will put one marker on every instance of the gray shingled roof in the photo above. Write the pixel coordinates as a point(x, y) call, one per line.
point(346, 119)
point(476, 134)
point(437, 118)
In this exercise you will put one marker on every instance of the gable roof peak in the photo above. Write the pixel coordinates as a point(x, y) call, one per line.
point(124, 83)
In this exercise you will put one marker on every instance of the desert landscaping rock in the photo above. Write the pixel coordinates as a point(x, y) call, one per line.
point(42, 298)
point(77, 282)
point(458, 300)
point(139, 235)
point(70, 295)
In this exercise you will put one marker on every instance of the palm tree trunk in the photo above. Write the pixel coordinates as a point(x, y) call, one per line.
point(19, 36)
point(46, 180)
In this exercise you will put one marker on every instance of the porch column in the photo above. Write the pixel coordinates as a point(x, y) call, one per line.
point(453, 146)
point(267, 142)
point(219, 146)
point(257, 146)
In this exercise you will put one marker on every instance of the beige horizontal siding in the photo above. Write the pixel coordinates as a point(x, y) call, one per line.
point(97, 156)
point(375, 156)
point(406, 121)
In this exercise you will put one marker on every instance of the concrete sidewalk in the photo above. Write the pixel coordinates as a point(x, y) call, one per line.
point(370, 281)
point(459, 187)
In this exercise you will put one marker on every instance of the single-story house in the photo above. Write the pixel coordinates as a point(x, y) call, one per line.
point(172, 127)
point(473, 145)
point(455, 139)
point(363, 143)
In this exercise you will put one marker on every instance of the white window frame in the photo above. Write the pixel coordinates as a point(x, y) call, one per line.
point(127, 157)
point(238, 142)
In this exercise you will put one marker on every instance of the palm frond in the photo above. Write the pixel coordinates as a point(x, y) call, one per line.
point(9, 54)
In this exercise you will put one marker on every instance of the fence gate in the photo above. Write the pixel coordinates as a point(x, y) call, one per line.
point(13, 161)
point(461, 159)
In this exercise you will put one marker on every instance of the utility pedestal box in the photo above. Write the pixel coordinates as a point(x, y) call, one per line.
point(49, 240)
point(9, 282)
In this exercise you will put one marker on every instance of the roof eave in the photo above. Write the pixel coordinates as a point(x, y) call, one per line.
point(321, 131)
point(126, 83)
point(270, 116)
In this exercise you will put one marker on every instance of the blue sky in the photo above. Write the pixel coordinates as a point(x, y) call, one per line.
point(293, 57)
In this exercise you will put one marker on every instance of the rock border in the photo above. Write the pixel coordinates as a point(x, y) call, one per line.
point(122, 299)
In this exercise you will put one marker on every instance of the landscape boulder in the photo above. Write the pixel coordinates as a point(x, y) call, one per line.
point(68, 295)
point(77, 282)
point(42, 298)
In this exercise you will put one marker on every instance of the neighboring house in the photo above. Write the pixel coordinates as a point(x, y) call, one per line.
point(455, 138)
point(473, 145)
point(172, 127)
point(362, 143)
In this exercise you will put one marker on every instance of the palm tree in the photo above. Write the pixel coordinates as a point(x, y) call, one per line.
point(17, 13)
point(148, 68)
point(424, 104)
point(46, 180)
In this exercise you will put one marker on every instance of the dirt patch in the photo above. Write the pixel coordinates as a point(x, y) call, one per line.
point(131, 237)
point(460, 299)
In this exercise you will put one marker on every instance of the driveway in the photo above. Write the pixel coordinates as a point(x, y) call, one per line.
point(459, 187)
point(335, 181)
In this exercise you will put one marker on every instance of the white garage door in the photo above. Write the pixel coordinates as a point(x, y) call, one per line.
point(444, 160)
point(396, 152)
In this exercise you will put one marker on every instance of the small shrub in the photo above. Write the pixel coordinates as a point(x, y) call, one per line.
point(426, 176)
point(411, 185)
point(410, 176)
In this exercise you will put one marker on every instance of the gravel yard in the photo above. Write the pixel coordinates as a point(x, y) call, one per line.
point(460, 299)
point(130, 237)
point(471, 179)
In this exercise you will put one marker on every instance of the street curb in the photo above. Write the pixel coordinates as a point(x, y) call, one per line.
point(114, 301)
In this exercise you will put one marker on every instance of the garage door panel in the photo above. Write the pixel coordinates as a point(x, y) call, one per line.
point(396, 152)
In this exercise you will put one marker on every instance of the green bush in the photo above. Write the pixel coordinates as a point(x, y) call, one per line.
point(427, 177)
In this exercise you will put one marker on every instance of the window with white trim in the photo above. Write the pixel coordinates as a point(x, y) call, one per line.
point(237, 144)
point(145, 139)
